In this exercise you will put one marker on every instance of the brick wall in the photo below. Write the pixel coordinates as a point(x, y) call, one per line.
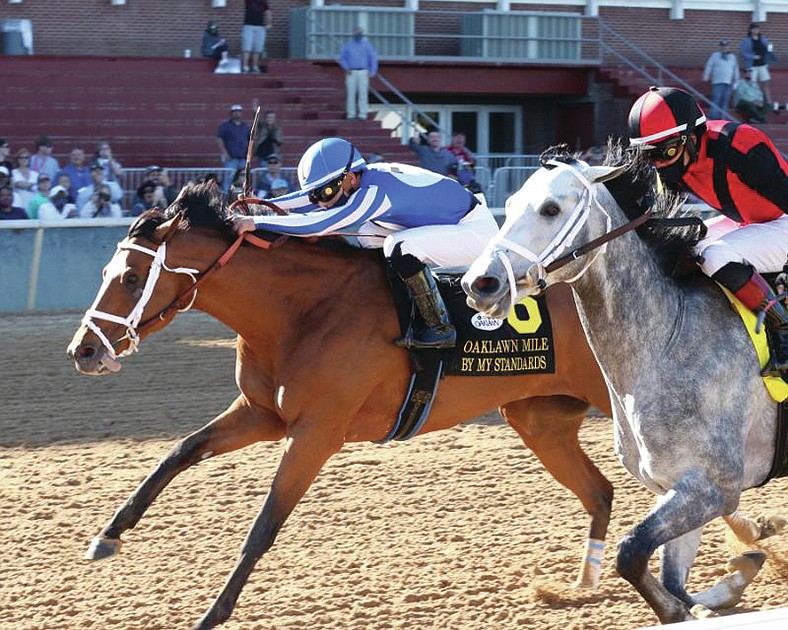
point(160, 28)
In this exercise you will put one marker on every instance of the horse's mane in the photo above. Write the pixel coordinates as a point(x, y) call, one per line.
point(636, 190)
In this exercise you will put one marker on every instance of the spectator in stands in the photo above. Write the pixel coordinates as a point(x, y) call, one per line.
point(42, 196)
point(749, 100)
point(273, 172)
point(165, 191)
point(232, 139)
point(5, 180)
point(8, 210)
point(257, 20)
point(359, 59)
point(237, 185)
point(722, 71)
point(112, 168)
point(24, 179)
point(58, 206)
point(781, 287)
point(97, 181)
point(432, 155)
point(42, 160)
point(5, 155)
point(146, 195)
point(214, 46)
point(279, 186)
point(458, 149)
point(101, 205)
point(64, 181)
point(756, 51)
point(268, 139)
point(77, 171)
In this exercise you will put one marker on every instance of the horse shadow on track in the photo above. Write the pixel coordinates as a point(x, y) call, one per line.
point(180, 379)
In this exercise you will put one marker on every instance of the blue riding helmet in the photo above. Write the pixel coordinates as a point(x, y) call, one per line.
point(328, 160)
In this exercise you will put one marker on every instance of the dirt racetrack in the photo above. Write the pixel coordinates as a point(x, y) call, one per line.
point(457, 530)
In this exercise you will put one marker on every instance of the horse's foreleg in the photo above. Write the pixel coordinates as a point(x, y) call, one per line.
point(688, 506)
point(548, 425)
point(237, 427)
point(307, 450)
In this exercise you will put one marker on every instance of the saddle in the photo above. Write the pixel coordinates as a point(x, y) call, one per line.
point(776, 386)
point(520, 344)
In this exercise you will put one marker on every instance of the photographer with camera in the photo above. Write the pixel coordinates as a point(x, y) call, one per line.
point(101, 205)
point(97, 180)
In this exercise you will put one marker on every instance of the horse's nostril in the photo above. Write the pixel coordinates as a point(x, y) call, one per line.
point(486, 284)
point(85, 352)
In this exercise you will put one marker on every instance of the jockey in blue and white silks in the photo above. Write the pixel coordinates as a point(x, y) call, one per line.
point(415, 215)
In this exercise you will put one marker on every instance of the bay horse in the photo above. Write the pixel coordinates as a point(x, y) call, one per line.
point(693, 419)
point(316, 366)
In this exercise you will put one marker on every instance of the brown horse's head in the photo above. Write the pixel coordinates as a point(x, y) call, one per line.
point(142, 288)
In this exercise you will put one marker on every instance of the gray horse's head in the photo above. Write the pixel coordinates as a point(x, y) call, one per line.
point(554, 211)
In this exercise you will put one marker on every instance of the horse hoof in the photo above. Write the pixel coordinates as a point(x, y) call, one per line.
point(699, 611)
point(748, 564)
point(101, 547)
point(770, 526)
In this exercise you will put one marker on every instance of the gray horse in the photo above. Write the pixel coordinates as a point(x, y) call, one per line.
point(693, 420)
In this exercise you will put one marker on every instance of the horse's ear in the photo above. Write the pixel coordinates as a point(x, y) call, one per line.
point(168, 228)
point(602, 174)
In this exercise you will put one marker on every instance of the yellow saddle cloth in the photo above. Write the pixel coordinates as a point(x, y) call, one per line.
point(778, 388)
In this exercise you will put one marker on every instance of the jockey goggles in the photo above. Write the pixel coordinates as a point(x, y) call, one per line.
point(666, 151)
point(326, 192)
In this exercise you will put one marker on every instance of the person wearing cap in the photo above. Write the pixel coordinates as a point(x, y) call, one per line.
point(359, 59)
point(85, 193)
point(736, 169)
point(57, 207)
point(146, 198)
point(42, 161)
point(232, 138)
point(273, 171)
point(416, 216)
point(756, 52)
point(722, 71)
point(42, 196)
point(166, 193)
point(214, 46)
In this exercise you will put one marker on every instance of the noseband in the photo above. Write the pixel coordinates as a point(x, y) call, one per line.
point(552, 256)
point(132, 320)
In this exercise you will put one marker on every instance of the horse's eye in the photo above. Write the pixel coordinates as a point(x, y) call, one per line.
point(132, 279)
point(550, 210)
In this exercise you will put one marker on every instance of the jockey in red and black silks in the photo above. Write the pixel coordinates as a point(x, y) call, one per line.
point(737, 170)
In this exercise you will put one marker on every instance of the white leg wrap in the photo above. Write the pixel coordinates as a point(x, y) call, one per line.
point(591, 567)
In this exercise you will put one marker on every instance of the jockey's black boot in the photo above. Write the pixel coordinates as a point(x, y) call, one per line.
point(438, 333)
point(777, 323)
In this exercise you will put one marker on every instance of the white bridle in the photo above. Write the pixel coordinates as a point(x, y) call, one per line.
point(560, 242)
point(132, 320)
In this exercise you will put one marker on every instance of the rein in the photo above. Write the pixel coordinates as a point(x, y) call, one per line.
point(183, 302)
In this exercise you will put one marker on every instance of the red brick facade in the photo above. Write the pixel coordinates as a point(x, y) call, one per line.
point(159, 29)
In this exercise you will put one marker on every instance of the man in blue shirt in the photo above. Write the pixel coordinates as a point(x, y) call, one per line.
point(359, 60)
point(232, 138)
point(415, 215)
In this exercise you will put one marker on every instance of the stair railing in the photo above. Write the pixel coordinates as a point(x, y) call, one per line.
point(608, 38)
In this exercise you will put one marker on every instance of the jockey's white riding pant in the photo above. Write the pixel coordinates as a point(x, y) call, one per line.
point(445, 246)
point(763, 245)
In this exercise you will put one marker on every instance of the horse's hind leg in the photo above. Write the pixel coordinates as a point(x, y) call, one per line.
point(308, 448)
point(237, 427)
point(750, 531)
point(548, 425)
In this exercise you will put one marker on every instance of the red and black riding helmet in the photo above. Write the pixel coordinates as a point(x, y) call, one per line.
point(663, 114)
